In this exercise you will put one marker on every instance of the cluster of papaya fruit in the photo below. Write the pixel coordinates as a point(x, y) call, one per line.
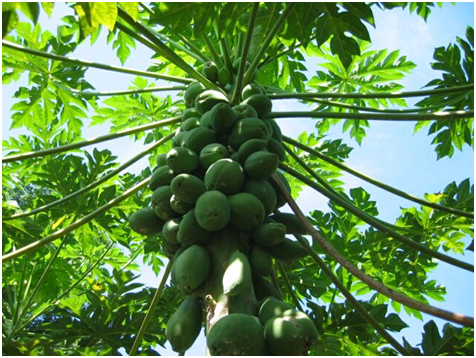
point(214, 184)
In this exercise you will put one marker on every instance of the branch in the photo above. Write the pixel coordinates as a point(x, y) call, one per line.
point(378, 224)
point(215, 55)
point(151, 309)
point(46, 240)
point(378, 116)
point(376, 182)
point(95, 183)
point(193, 47)
point(379, 287)
point(436, 91)
point(101, 66)
point(84, 143)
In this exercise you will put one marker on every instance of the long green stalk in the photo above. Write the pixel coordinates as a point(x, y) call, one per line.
point(60, 233)
point(151, 309)
point(288, 286)
point(377, 116)
point(379, 287)
point(270, 37)
point(101, 66)
point(84, 143)
point(224, 49)
point(436, 91)
point(352, 300)
point(376, 182)
point(96, 182)
point(378, 224)
point(244, 54)
point(193, 47)
point(214, 53)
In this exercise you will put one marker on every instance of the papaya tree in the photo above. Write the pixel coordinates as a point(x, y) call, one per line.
point(214, 211)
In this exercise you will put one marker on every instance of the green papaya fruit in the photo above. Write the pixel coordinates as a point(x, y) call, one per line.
point(288, 250)
point(209, 98)
point(160, 159)
point(190, 123)
point(189, 113)
point(161, 203)
point(277, 148)
point(191, 269)
point(263, 191)
point(248, 148)
point(179, 138)
point(280, 198)
point(269, 234)
point(246, 129)
point(190, 232)
point(261, 103)
point(185, 325)
point(247, 212)
point(236, 334)
point(205, 120)
point(182, 160)
point(187, 188)
point(251, 89)
point(222, 118)
point(210, 71)
point(263, 288)
point(244, 111)
point(270, 127)
point(179, 252)
point(212, 210)
point(261, 261)
point(179, 206)
point(291, 221)
point(191, 93)
point(145, 222)
point(211, 153)
point(283, 338)
point(272, 307)
point(169, 249)
point(160, 177)
point(237, 275)
point(224, 77)
point(225, 175)
point(260, 165)
point(170, 230)
point(304, 325)
point(277, 134)
point(198, 138)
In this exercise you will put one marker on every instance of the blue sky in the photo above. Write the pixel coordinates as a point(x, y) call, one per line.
point(390, 153)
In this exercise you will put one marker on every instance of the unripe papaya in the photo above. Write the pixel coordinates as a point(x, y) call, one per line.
point(224, 77)
point(225, 175)
point(263, 288)
point(237, 275)
point(190, 123)
point(291, 221)
point(160, 159)
point(170, 230)
point(263, 191)
point(179, 206)
point(208, 99)
point(269, 234)
point(260, 165)
point(288, 250)
point(277, 148)
point(145, 222)
point(189, 113)
point(205, 120)
point(222, 118)
point(304, 325)
point(248, 148)
point(261, 261)
point(251, 89)
point(283, 338)
point(246, 129)
point(187, 188)
point(184, 325)
point(191, 93)
point(198, 138)
point(236, 334)
point(261, 103)
point(212, 210)
point(272, 307)
point(277, 134)
point(191, 269)
point(190, 232)
point(160, 177)
point(179, 138)
point(169, 249)
point(182, 160)
point(244, 111)
point(161, 203)
point(210, 71)
point(280, 198)
point(247, 212)
point(211, 154)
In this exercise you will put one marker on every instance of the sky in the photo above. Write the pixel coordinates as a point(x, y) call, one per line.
point(391, 152)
